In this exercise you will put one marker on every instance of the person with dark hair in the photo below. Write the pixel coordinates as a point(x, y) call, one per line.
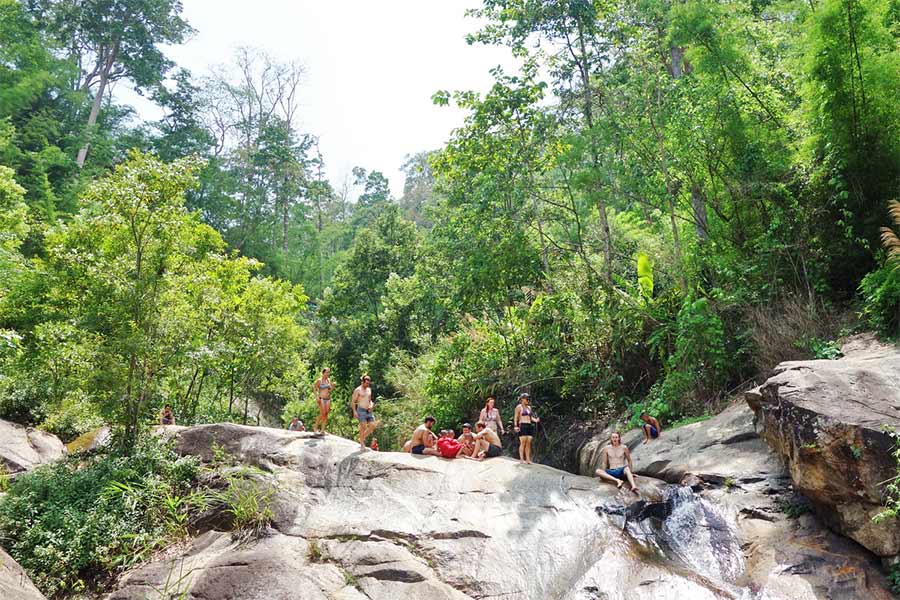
point(362, 406)
point(448, 446)
point(487, 442)
point(490, 416)
point(322, 390)
point(167, 417)
point(296, 425)
point(423, 439)
point(524, 420)
point(467, 439)
point(651, 427)
point(615, 463)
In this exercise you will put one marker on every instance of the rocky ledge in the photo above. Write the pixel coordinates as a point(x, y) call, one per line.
point(831, 422)
point(787, 551)
point(351, 524)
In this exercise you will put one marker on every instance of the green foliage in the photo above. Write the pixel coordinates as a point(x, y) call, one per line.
point(880, 292)
point(687, 420)
point(248, 500)
point(892, 486)
point(138, 304)
point(645, 275)
point(68, 521)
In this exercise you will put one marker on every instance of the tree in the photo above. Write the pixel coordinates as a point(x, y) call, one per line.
point(110, 40)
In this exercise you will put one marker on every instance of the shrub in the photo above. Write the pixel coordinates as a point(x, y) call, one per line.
point(248, 500)
point(70, 520)
point(880, 291)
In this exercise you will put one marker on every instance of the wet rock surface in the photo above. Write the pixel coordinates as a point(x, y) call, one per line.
point(24, 448)
point(766, 541)
point(827, 420)
point(14, 582)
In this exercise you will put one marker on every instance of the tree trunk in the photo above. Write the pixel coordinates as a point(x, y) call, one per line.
point(584, 69)
point(698, 203)
point(98, 100)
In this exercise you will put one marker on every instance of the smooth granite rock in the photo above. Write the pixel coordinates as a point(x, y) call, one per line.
point(829, 420)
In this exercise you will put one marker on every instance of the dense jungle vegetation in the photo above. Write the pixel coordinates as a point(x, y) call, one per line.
point(665, 199)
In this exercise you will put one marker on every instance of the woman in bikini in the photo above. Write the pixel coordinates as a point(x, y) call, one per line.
point(322, 389)
point(491, 416)
point(524, 421)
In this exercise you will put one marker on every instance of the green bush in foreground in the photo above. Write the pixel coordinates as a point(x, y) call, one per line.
point(72, 520)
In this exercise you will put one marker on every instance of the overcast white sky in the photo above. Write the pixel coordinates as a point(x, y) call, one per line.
point(371, 69)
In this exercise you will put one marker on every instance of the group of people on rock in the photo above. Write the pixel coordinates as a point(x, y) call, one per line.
point(485, 442)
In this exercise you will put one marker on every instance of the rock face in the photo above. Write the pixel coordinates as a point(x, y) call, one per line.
point(23, 448)
point(826, 418)
point(14, 583)
point(735, 471)
point(351, 524)
point(725, 447)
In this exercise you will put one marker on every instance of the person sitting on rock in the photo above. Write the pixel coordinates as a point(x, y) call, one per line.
point(615, 463)
point(374, 444)
point(296, 425)
point(167, 417)
point(448, 446)
point(423, 439)
point(651, 427)
point(487, 442)
point(467, 439)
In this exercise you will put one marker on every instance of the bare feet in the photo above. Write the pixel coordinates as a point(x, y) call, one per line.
point(620, 484)
point(635, 490)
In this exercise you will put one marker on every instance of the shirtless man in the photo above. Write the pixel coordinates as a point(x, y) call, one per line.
point(361, 404)
point(651, 427)
point(423, 439)
point(615, 463)
point(467, 439)
point(487, 442)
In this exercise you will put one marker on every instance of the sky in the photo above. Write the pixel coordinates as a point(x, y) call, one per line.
point(371, 68)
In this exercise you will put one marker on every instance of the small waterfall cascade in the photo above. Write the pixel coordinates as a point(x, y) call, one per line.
point(687, 530)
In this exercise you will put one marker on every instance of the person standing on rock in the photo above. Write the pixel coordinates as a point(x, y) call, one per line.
point(651, 427)
point(524, 420)
point(322, 389)
point(490, 416)
point(362, 405)
point(615, 463)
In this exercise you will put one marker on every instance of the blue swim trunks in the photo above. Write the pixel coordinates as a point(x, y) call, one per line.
point(364, 416)
point(617, 473)
point(653, 432)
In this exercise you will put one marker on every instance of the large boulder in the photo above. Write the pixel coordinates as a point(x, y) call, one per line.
point(734, 470)
point(723, 448)
point(352, 524)
point(14, 582)
point(23, 448)
point(830, 420)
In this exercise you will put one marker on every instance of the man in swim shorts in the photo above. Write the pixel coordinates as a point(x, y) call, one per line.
point(487, 442)
point(362, 405)
point(651, 427)
point(615, 463)
point(423, 439)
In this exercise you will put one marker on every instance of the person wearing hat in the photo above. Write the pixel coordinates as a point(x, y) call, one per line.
point(524, 420)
